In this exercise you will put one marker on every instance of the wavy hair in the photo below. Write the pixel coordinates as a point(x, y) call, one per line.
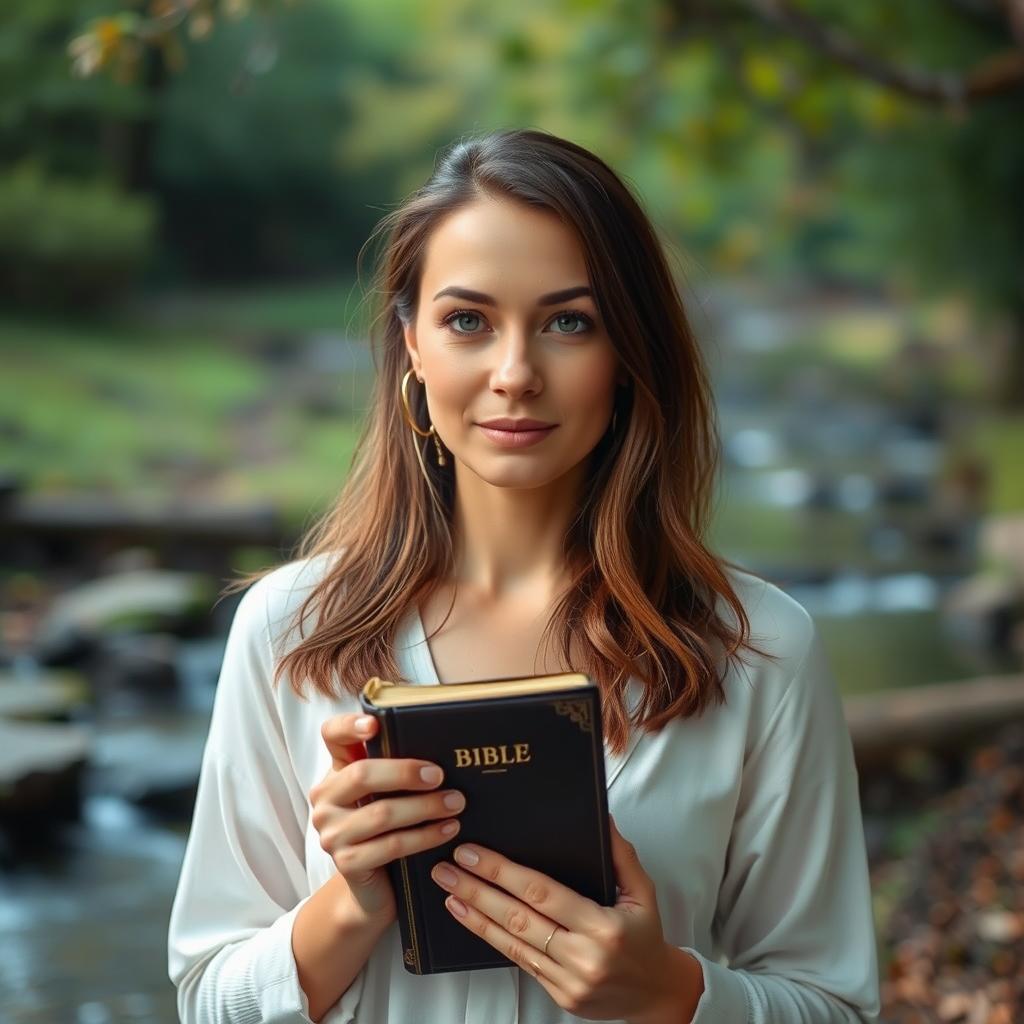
point(646, 591)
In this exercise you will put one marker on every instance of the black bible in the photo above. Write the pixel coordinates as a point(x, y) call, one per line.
point(528, 754)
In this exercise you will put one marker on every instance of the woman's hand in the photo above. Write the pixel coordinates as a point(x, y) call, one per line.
point(363, 834)
point(602, 963)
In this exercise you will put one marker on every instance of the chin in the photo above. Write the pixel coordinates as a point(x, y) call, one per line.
point(521, 477)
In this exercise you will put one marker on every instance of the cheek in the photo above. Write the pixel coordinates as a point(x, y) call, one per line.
point(591, 385)
point(451, 388)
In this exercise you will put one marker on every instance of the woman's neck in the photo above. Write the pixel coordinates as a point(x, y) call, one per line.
point(510, 540)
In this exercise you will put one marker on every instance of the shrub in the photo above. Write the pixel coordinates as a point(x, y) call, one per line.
point(69, 243)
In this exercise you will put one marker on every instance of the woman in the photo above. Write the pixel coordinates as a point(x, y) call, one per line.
point(523, 282)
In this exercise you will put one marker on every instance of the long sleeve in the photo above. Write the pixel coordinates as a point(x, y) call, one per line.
point(243, 877)
point(794, 913)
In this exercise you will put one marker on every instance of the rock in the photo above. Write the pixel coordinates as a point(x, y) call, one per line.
point(153, 765)
point(49, 695)
point(40, 771)
point(955, 1006)
point(1002, 541)
point(982, 611)
point(131, 671)
point(1000, 926)
point(905, 489)
point(137, 598)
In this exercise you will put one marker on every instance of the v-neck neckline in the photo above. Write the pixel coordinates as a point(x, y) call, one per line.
point(425, 674)
point(422, 651)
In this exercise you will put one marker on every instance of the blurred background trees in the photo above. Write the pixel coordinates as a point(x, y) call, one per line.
point(877, 145)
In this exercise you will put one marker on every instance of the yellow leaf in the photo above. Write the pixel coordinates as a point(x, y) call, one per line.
point(108, 32)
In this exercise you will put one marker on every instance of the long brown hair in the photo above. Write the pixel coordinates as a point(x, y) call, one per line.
point(644, 585)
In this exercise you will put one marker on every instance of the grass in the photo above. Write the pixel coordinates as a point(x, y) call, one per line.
point(874, 651)
point(999, 440)
point(144, 410)
point(791, 536)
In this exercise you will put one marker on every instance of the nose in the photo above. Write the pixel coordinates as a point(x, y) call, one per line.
point(516, 372)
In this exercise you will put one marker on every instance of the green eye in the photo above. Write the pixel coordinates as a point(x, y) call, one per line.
point(568, 318)
point(460, 314)
point(469, 316)
point(578, 317)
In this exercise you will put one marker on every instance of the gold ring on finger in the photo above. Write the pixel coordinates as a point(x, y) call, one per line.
point(548, 939)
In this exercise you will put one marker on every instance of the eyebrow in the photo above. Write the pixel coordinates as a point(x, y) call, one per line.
point(487, 300)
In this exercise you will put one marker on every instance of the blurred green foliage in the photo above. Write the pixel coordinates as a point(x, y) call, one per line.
point(271, 142)
point(68, 242)
point(875, 650)
point(245, 156)
point(237, 150)
point(285, 311)
point(69, 126)
point(263, 149)
point(999, 439)
point(152, 411)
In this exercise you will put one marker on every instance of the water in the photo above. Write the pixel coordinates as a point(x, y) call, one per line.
point(84, 912)
point(835, 494)
point(83, 923)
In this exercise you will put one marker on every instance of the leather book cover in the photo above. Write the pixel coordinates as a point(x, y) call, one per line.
point(528, 753)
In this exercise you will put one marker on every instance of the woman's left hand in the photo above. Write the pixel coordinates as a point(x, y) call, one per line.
point(602, 963)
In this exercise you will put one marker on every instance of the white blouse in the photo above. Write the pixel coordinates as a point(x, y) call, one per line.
point(747, 819)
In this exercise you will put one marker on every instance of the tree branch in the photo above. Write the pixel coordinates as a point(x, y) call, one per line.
point(1001, 73)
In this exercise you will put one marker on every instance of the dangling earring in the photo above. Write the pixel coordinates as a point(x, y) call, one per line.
point(615, 416)
point(412, 423)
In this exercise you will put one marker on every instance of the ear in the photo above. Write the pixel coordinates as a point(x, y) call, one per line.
point(411, 346)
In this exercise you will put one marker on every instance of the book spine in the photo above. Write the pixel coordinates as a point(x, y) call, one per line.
point(383, 744)
point(603, 826)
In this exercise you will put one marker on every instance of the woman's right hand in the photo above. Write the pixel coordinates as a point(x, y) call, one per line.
point(363, 831)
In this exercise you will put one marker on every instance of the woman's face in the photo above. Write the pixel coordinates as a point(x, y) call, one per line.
point(514, 348)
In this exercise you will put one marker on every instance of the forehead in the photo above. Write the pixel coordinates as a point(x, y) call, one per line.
point(502, 246)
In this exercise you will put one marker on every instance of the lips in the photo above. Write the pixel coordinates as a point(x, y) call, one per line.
point(518, 437)
point(517, 426)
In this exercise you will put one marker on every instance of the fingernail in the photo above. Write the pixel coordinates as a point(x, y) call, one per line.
point(467, 855)
point(454, 801)
point(431, 774)
point(364, 723)
point(445, 875)
point(456, 905)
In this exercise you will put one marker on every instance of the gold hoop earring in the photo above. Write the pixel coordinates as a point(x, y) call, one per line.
point(412, 423)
